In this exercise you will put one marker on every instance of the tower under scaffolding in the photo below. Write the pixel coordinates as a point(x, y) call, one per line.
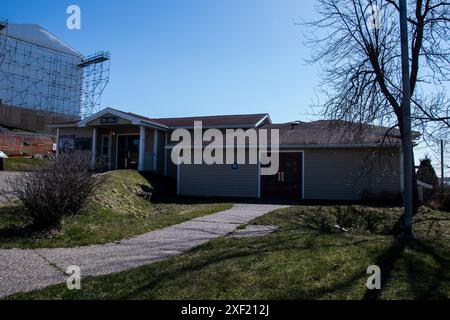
point(3, 25)
point(40, 73)
point(95, 78)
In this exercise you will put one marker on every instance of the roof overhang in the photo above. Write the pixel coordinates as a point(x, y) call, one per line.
point(301, 146)
point(260, 122)
point(231, 126)
point(339, 146)
point(136, 121)
point(251, 125)
point(57, 126)
point(141, 121)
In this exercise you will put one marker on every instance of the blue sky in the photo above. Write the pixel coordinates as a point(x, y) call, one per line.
point(191, 57)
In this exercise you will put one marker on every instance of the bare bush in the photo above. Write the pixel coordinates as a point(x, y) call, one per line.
point(441, 200)
point(57, 190)
point(353, 219)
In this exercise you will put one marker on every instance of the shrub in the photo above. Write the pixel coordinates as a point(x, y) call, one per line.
point(441, 200)
point(352, 218)
point(59, 189)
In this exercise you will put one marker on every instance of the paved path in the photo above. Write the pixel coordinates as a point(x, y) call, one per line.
point(26, 270)
point(4, 184)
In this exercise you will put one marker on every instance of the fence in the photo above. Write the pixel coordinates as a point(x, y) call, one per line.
point(26, 144)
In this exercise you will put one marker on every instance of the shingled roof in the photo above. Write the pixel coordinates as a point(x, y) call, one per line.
point(321, 133)
point(229, 121)
point(243, 121)
point(327, 132)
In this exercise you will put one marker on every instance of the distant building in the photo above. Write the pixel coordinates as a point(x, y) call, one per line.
point(44, 80)
point(314, 163)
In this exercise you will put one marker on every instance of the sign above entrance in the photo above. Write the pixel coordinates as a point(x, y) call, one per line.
point(108, 120)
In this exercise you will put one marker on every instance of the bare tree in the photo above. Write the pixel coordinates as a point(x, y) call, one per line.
point(357, 44)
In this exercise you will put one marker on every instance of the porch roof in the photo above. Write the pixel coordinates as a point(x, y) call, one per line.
point(134, 119)
point(243, 121)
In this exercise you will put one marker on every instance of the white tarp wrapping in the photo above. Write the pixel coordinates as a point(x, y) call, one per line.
point(38, 71)
point(35, 34)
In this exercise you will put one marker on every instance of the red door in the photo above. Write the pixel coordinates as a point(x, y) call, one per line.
point(128, 152)
point(287, 183)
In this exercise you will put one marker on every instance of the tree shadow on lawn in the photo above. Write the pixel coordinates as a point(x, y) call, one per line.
point(425, 279)
point(253, 248)
point(386, 261)
point(185, 274)
point(424, 283)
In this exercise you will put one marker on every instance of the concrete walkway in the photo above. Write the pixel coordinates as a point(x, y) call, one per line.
point(27, 270)
point(5, 189)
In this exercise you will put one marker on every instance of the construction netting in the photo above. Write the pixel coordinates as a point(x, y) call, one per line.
point(26, 144)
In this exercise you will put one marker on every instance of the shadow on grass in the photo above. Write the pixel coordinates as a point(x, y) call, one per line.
point(386, 261)
point(16, 226)
point(420, 272)
point(423, 278)
point(255, 248)
point(220, 260)
point(424, 283)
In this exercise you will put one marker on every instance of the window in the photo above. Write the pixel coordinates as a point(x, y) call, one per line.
point(66, 143)
point(84, 144)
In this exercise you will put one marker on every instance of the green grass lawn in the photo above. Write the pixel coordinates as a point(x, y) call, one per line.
point(306, 258)
point(113, 213)
point(24, 164)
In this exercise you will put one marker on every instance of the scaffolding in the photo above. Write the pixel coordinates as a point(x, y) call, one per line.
point(95, 79)
point(46, 80)
point(3, 39)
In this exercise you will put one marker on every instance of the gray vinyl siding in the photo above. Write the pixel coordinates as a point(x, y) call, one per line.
point(344, 174)
point(329, 174)
point(219, 180)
